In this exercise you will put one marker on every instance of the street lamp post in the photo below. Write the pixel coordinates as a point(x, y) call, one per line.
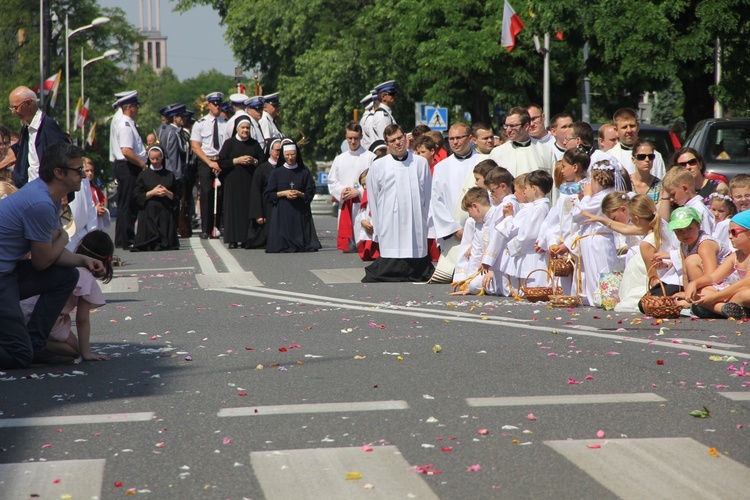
point(84, 63)
point(68, 34)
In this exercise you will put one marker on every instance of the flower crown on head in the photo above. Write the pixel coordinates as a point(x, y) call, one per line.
point(603, 165)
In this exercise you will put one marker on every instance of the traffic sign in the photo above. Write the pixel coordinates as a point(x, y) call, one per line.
point(322, 178)
point(437, 119)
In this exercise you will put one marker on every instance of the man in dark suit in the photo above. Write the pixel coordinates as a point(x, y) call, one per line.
point(38, 129)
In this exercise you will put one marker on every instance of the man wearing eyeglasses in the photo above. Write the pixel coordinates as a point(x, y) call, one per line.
point(383, 117)
point(399, 188)
point(38, 129)
point(130, 159)
point(627, 128)
point(520, 155)
point(452, 178)
point(537, 131)
point(31, 224)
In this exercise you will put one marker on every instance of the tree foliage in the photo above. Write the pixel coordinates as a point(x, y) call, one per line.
point(324, 55)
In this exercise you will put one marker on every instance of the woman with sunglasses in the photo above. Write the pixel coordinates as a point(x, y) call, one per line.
point(644, 182)
point(726, 290)
point(693, 161)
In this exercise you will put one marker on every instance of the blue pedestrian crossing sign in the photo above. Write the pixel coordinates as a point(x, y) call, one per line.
point(437, 119)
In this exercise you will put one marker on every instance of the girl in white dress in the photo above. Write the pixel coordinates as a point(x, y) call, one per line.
point(645, 220)
point(594, 245)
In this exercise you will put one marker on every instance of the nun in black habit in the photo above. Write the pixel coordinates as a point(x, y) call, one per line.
point(291, 189)
point(238, 159)
point(154, 195)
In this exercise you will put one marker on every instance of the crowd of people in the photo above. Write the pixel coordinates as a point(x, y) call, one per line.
point(494, 214)
point(488, 213)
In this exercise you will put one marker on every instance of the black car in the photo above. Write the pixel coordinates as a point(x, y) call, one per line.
point(724, 144)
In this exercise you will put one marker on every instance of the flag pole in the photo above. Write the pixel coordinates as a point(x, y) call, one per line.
point(545, 96)
point(41, 54)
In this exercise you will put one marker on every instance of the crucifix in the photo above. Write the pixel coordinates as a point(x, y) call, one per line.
point(291, 186)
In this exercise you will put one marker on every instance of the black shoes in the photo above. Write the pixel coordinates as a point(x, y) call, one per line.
point(204, 236)
point(45, 357)
point(734, 310)
point(232, 246)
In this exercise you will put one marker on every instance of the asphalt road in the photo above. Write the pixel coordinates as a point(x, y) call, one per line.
point(238, 374)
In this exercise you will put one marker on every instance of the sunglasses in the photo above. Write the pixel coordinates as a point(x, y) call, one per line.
point(736, 231)
point(692, 162)
point(643, 157)
point(80, 170)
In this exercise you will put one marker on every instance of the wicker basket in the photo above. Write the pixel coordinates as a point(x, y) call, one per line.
point(537, 293)
point(561, 300)
point(660, 307)
point(561, 266)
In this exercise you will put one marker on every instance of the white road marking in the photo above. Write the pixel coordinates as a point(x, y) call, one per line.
point(111, 418)
point(566, 400)
point(226, 256)
point(259, 411)
point(487, 320)
point(657, 468)
point(120, 285)
point(321, 473)
point(152, 270)
point(227, 280)
point(337, 276)
point(736, 396)
point(54, 479)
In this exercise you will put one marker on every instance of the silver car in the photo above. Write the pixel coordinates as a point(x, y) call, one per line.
point(323, 203)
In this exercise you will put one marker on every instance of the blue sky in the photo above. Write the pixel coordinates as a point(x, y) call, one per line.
point(195, 39)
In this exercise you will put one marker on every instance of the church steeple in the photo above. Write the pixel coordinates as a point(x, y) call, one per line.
point(153, 50)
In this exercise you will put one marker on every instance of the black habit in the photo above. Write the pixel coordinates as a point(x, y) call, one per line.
point(291, 228)
point(156, 222)
point(237, 180)
point(260, 207)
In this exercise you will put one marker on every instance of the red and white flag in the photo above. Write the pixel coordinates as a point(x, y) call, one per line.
point(82, 113)
point(49, 83)
point(512, 26)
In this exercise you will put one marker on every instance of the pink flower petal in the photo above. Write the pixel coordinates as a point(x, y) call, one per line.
point(474, 468)
point(366, 448)
point(226, 440)
point(530, 416)
point(600, 434)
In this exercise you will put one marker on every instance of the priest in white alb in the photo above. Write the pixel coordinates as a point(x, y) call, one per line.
point(398, 191)
point(451, 179)
point(520, 155)
point(343, 180)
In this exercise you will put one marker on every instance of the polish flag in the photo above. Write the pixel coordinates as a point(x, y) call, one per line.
point(512, 25)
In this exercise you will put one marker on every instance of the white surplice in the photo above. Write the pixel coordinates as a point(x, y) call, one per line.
point(399, 198)
point(524, 159)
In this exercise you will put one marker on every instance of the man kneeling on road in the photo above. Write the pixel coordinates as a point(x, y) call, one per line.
point(30, 222)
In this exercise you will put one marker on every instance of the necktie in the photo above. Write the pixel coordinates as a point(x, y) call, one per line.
point(216, 134)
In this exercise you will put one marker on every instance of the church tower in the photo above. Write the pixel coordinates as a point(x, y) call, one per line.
point(152, 50)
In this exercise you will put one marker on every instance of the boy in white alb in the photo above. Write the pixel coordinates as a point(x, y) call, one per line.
point(499, 182)
point(468, 277)
point(523, 233)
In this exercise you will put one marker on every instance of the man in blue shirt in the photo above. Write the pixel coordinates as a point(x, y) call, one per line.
point(30, 223)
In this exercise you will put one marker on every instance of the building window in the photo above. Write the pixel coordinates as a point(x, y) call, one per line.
point(158, 55)
point(150, 52)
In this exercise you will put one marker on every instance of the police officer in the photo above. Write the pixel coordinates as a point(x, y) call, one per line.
point(267, 122)
point(386, 93)
point(206, 138)
point(238, 105)
point(175, 147)
point(129, 160)
point(254, 107)
point(366, 121)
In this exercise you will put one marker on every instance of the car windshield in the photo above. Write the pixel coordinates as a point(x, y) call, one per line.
point(729, 142)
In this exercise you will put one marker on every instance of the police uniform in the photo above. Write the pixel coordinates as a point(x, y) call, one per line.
point(126, 135)
point(210, 133)
point(256, 103)
point(383, 116)
point(238, 104)
point(267, 123)
point(366, 121)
